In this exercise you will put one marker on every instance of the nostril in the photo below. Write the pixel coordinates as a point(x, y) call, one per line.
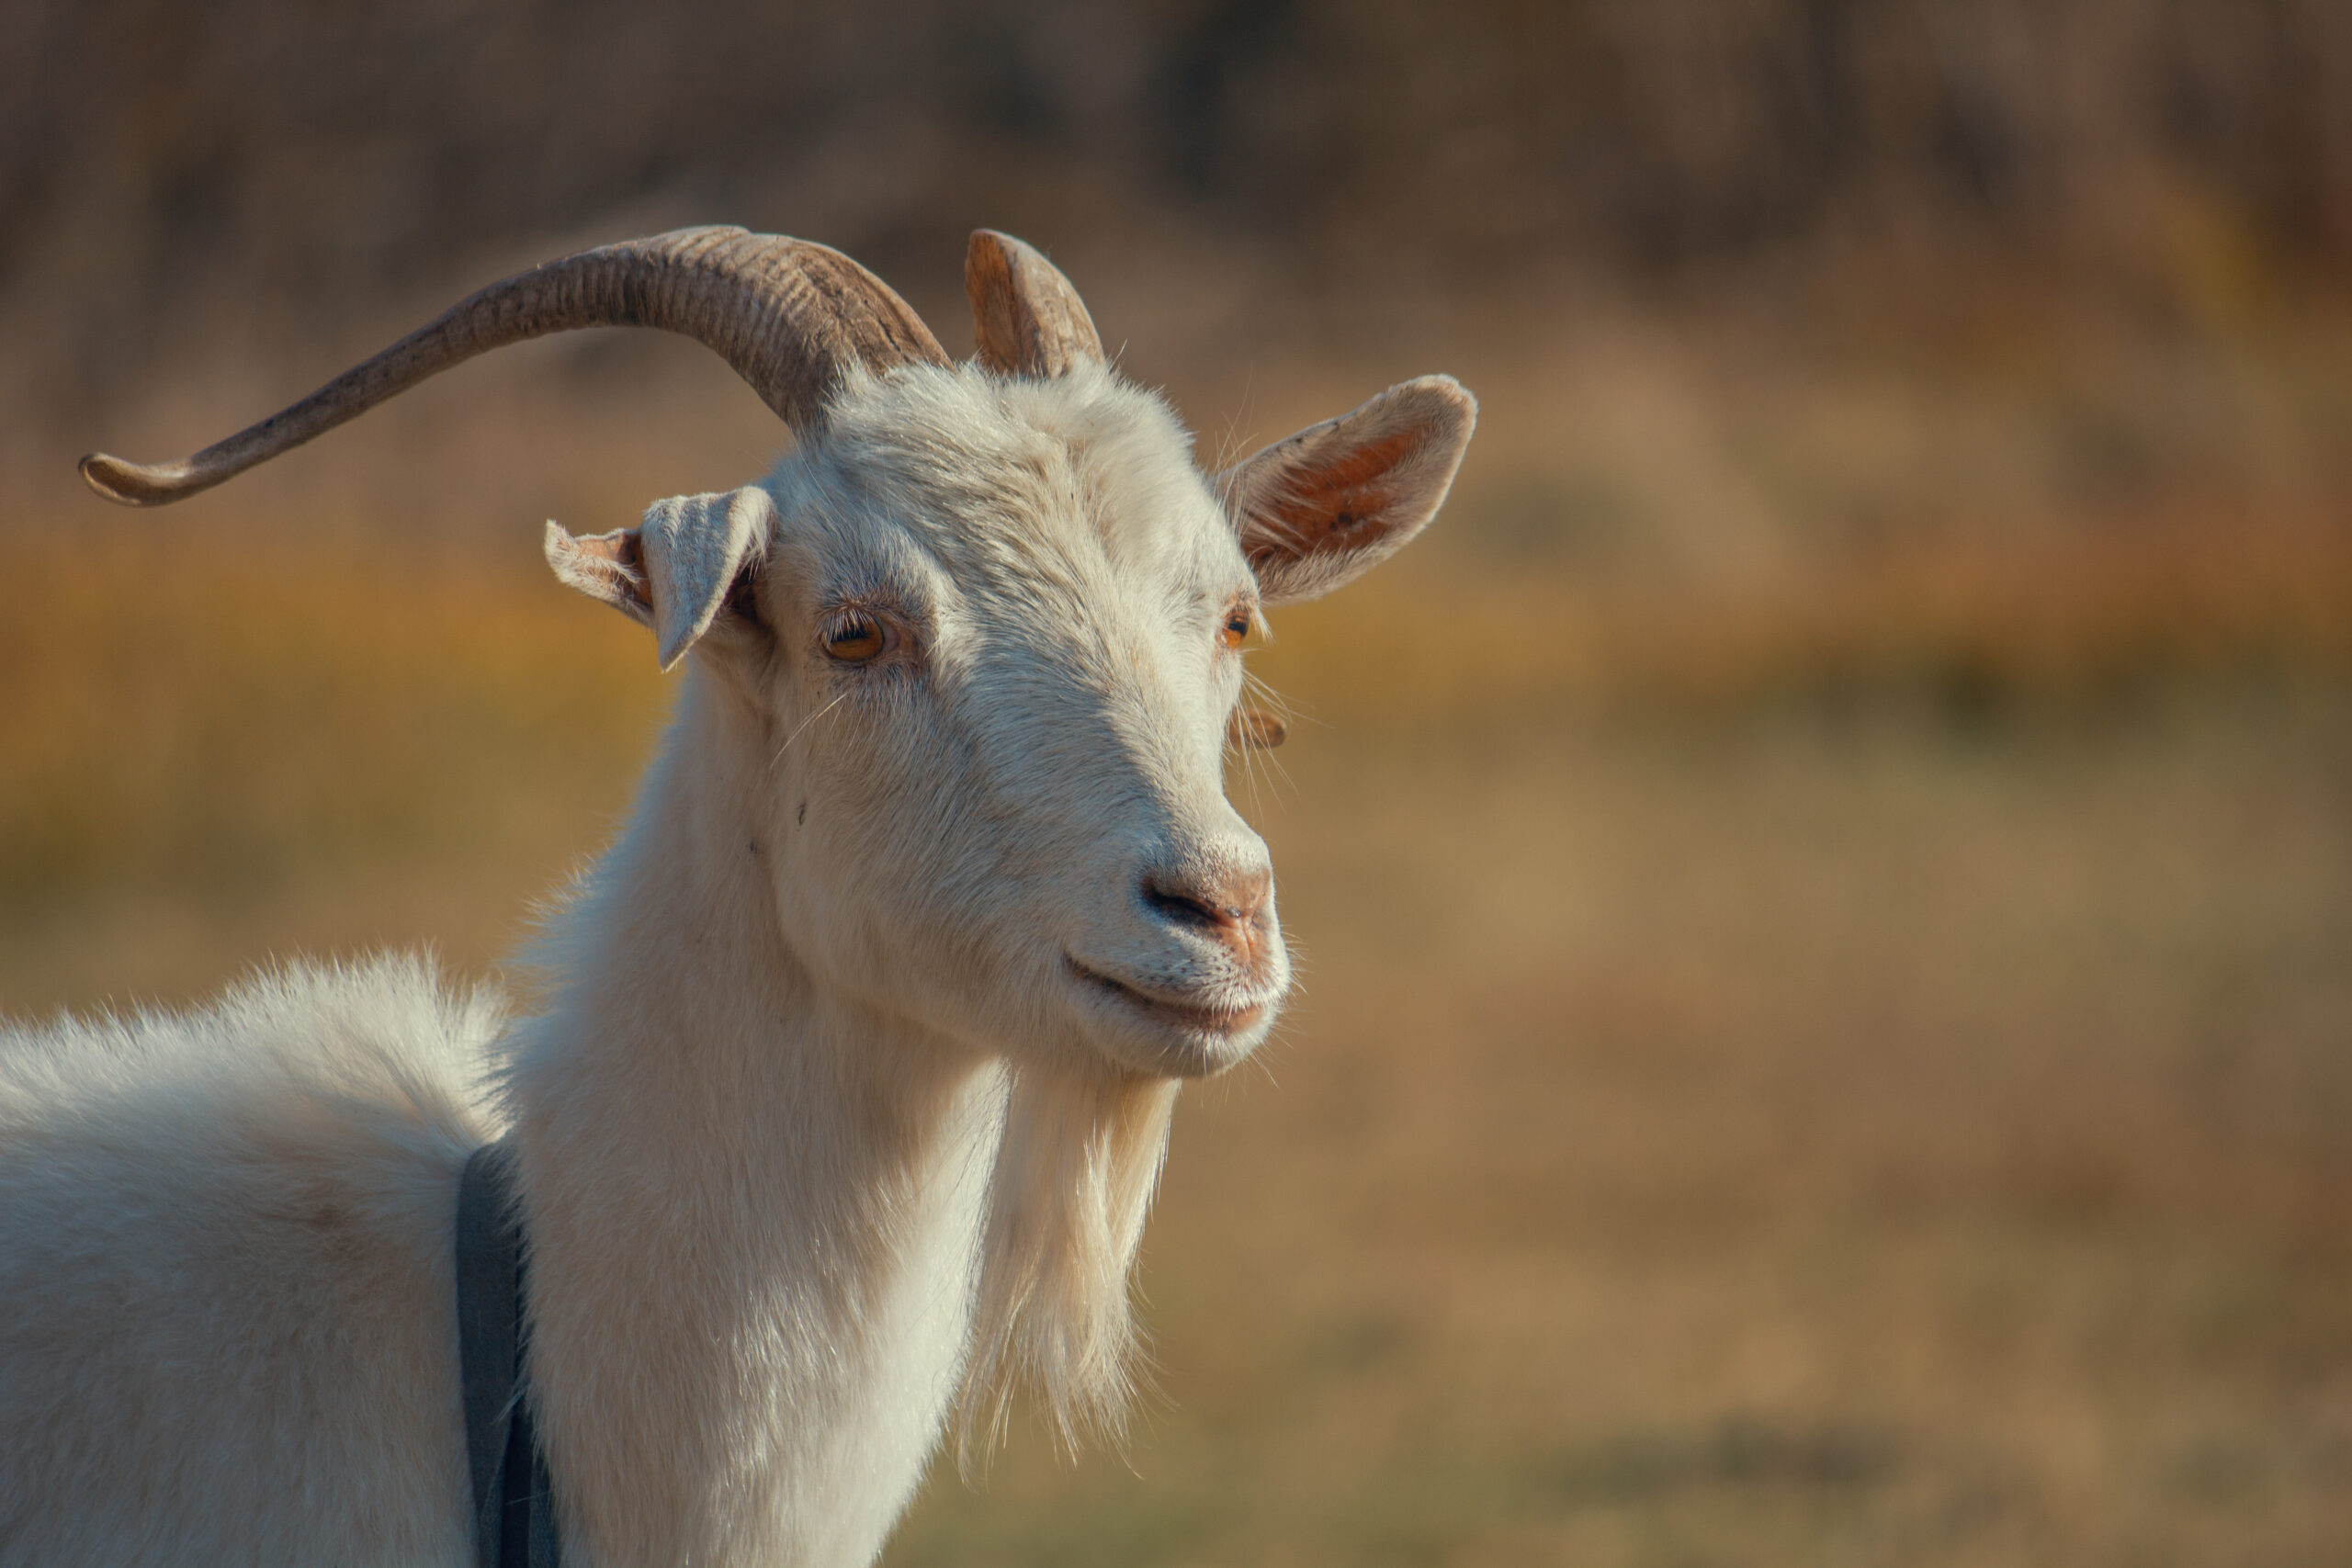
point(1175, 902)
point(1230, 899)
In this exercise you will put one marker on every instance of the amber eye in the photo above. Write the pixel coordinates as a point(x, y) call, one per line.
point(856, 637)
point(1236, 627)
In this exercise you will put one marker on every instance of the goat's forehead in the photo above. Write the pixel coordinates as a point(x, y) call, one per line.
point(1005, 484)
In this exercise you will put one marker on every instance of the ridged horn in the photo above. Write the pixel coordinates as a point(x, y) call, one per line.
point(789, 315)
point(1029, 319)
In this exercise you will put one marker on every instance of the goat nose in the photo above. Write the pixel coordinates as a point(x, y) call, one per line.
point(1225, 901)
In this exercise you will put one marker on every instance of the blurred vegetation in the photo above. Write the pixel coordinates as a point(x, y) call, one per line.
point(161, 163)
point(1824, 886)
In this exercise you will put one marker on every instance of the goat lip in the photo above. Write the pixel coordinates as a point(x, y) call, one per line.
point(1188, 1016)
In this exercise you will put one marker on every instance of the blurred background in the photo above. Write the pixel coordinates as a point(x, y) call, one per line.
point(1824, 884)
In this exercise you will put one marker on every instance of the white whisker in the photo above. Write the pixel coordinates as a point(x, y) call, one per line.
point(803, 725)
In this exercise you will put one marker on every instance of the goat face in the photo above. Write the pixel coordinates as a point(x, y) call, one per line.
point(1003, 616)
point(990, 630)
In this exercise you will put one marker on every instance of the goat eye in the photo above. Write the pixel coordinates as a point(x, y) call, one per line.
point(856, 637)
point(1236, 627)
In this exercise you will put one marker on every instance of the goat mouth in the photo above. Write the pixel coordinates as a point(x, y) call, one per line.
point(1191, 1016)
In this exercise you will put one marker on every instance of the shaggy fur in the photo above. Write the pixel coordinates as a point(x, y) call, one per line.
point(853, 1076)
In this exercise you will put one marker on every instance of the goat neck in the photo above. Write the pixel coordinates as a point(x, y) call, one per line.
point(753, 1201)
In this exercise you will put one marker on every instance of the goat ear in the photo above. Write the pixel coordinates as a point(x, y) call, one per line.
point(1323, 506)
point(605, 567)
point(674, 570)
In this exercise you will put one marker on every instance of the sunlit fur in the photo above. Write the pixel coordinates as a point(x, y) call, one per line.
point(225, 1327)
point(822, 1136)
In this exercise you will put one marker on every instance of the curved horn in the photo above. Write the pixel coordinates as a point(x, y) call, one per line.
point(1031, 322)
point(789, 315)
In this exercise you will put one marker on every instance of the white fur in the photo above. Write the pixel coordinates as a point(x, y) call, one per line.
point(226, 1333)
point(845, 1082)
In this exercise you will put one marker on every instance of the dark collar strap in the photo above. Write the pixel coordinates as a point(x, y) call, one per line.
point(513, 1515)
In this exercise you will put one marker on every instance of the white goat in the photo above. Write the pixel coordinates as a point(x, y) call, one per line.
point(855, 1072)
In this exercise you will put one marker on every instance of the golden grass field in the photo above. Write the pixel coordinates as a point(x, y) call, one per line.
point(1802, 1132)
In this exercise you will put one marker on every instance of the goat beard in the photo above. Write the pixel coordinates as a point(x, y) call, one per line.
point(1072, 1185)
